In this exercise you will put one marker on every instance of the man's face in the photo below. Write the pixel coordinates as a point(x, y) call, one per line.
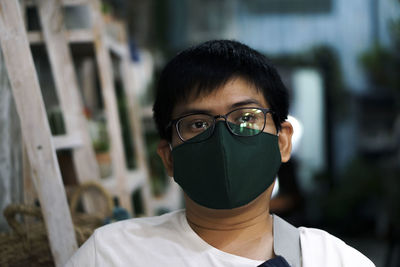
point(236, 93)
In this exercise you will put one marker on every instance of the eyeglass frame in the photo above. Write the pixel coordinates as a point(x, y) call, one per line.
point(264, 110)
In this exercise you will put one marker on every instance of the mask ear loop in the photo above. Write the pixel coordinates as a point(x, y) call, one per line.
point(170, 146)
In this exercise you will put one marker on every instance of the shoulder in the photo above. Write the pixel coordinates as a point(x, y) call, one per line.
point(116, 240)
point(168, 220)
point(319, 248)
point(139, 229)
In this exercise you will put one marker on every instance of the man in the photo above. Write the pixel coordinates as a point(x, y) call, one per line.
point(221, 112)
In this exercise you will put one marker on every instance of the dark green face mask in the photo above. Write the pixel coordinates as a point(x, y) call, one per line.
point(226, 171)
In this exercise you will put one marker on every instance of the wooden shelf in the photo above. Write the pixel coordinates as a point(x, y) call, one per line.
point(66, 142)
point(82, 36)
point(64, 2)
point(135, 179)
point(116, 47)
point(73, 36)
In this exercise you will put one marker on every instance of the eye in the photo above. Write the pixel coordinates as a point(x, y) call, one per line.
point(194, 124)
point(246, 118)
point(197, 125)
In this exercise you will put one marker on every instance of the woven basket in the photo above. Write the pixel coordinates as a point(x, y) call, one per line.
point(24, 246)
point(87, 223)
point(28, 245)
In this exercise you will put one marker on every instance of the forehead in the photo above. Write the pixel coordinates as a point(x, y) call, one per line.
point(234, 93)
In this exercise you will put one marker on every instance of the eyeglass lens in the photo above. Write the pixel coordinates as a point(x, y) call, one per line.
point(242, 122)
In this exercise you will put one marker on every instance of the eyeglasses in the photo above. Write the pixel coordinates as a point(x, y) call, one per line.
point(240, 122)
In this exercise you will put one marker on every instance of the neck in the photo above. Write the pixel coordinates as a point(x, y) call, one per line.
point(245, 231)
point(243, 217)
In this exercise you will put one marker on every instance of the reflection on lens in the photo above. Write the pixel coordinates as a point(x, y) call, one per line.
point(243, 131)
point(249, 120)
point(246, 121)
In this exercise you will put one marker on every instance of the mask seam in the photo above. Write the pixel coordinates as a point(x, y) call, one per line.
point(226, 177)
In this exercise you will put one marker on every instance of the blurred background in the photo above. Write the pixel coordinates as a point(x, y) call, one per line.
point(341, 62)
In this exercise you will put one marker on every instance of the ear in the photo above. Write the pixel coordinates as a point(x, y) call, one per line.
point(285, 140)
point(164, 151)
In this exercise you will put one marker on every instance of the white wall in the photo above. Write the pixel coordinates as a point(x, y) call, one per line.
point(308, 109)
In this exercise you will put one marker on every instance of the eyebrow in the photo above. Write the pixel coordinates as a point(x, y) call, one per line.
point(193, 110)
point(233, 106)
point(245, 103)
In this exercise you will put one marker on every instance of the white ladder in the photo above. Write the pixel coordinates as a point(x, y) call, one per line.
point(40, 145)
point(36, 131)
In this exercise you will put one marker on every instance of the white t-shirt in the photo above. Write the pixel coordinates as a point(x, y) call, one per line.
point(168, 240)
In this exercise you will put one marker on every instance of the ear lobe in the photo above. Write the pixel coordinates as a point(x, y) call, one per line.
point(285, 140)
point(164, 151)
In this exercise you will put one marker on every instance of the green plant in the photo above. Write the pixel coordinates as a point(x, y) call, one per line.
point(382, 66)
point(99, 136)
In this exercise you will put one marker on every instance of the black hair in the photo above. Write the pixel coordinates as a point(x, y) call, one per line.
point(204, 68)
